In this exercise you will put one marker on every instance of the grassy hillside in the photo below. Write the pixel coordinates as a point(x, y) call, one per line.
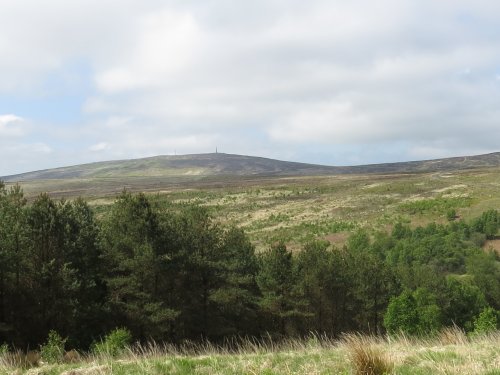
point(298, 208)
point(258, 195)
point(449, 353)
point(219, 164)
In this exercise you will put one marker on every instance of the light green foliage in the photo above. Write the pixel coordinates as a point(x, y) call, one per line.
point(413, 313)
point(486, 322)
point(359, 241)
point(435, 205)
point(485, 270)
point(451, 214)
point(4, 349)
point(488, 223)
point(114, 343)
point(53, 349)
point(428, 311)
point(401, 314)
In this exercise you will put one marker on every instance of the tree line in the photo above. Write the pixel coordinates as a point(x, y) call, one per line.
point(172, 273)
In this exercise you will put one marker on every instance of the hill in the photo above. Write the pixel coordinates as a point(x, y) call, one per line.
point(219, 164)
point(215, 164)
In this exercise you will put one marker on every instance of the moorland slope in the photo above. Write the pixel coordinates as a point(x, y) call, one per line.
point(220, 164)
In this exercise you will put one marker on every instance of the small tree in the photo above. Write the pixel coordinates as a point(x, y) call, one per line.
point(401, 315)
point(486, 322)
point(413, 313)
point(53, 350)
point(114, 343)
point(276, 281)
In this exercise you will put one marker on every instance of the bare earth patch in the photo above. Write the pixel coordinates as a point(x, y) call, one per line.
point(492, 244)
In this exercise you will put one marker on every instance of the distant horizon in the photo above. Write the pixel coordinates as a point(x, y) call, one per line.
point(321, 82)
point(232, 154)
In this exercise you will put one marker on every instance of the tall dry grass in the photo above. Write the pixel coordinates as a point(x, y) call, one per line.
point(366, 355)
point(449, 352)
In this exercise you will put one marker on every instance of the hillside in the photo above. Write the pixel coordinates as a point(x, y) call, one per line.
point(219, 164)
point(216, 164)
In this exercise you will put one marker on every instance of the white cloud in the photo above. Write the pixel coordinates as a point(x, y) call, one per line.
point(165, 45)
point(190, 75)
point(39, 147)
point(11, 126)
point(330, 122)
point(99, 146)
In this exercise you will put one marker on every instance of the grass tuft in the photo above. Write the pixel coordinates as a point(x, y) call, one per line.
point(366, 356)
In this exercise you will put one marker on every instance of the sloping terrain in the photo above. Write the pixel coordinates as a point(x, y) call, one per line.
point(216, 164)
point(219, 164)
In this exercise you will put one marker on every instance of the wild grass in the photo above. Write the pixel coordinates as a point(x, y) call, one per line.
point(299, 209)
point(367, 356)
point(450, 352)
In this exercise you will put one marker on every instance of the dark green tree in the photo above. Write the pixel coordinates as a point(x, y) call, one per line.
point(485, 271)
point(371, 286)
point(12, 260)
point(47, 275)
point(315, 279)
point(463, 301)
point(198, 273)
point(280, 299)
point(134, 256)
point(236, 293)
point(86, 289)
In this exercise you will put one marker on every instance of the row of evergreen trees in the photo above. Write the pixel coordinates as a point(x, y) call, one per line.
point(171, 273)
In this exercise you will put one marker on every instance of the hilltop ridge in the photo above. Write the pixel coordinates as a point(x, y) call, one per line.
point(220, 164)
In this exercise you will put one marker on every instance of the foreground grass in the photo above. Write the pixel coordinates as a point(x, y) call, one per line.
point(449, 353)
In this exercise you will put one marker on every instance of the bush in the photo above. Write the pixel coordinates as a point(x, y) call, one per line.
point(114, 343)
point(4, 349)
point(451, 214)
point(53, 350)
point(401, 314)
point(486, 322)
point(413, 313)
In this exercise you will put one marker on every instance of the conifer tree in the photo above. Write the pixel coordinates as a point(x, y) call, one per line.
point(133, 257)
point(280, 299)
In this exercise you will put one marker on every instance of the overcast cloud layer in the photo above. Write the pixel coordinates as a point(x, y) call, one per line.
point(323, 81)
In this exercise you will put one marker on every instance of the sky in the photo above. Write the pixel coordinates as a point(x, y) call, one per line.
point(337, 82)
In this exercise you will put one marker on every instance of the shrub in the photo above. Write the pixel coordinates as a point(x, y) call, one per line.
point(451, 214)
point(53, 350)
point(4, 349)
point(486, 322)
point(114, 343)
point(413, 313)
point(401, 314)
